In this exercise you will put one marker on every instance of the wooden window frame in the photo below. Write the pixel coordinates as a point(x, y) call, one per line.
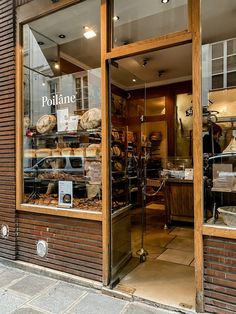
point(191, 35)
point(26, 13)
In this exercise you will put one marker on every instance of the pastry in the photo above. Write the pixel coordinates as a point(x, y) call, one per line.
point(45, 123)
point(91, 119)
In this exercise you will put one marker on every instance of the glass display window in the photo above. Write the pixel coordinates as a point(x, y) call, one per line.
point(136, 20)
point(62, 111)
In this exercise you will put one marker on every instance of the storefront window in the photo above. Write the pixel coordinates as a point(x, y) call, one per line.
point(219, 114)
point(62, 110)
point(135, 20)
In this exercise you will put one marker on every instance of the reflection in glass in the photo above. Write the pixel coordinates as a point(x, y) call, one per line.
point(219, 112)
point(135, 20)
point(62, 114)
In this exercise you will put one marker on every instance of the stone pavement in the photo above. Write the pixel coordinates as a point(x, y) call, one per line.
point(25, 292)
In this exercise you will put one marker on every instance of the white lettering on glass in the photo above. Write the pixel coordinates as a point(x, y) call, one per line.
point(56, 100)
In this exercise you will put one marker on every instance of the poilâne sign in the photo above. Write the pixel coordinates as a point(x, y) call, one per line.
point(56, 100)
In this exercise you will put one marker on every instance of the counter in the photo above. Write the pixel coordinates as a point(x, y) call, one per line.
point(179, 199)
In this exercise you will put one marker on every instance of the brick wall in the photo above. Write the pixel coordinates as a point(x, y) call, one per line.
point(220, 275)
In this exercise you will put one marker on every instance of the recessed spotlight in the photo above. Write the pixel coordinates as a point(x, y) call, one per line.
point(89, 33)
point(116, 18)
point(134, 80)
point(62, 36)
point(164, 1)
point(40, 43)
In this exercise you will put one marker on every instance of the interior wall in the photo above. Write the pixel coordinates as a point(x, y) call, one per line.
point(184, 126)
point(158, 126)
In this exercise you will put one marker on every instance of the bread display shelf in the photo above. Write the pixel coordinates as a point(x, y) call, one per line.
point(223, 190)
point(68, 134)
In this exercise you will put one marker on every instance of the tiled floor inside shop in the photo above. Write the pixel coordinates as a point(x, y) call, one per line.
point(167, 276)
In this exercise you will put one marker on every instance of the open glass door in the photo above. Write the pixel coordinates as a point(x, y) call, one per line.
point(125, 173)
point(151, 175)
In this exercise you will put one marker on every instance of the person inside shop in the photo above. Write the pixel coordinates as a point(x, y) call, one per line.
point(211, 140)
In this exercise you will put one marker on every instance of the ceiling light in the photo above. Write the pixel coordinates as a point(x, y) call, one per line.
point(89, 33)
point(40, 43)
point(164, 1)
point(145, 61)
point(62, 36)
point(116, 18)
point(56, 65)
point(134, 80)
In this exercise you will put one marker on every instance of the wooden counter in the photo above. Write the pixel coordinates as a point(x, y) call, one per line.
point(179, 199)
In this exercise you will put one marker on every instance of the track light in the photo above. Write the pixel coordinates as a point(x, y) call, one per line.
point(145, 61)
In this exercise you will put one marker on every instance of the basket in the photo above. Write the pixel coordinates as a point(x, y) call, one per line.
point(228, 214)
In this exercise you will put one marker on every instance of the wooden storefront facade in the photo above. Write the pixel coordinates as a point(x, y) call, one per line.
point(79, 242)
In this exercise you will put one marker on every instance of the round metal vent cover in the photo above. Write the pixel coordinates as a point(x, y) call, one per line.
point(5, 231)
point(42, 248)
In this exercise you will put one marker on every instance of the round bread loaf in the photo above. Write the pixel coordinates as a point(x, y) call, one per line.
point(46, 123)
point(91, 119)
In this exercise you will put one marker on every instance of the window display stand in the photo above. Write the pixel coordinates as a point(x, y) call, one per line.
point(35, 193)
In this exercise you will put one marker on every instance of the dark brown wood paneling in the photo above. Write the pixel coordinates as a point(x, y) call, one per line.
point(220, 275)
point(7, 127)
point(179, 199)
point(74, 245)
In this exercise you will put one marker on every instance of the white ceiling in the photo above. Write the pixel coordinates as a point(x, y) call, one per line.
point(138, 20)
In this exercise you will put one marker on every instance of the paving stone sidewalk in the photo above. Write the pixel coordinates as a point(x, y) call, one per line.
point(23, 292)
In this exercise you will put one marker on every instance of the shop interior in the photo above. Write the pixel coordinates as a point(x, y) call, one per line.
point(152, 177)
point(151, 147)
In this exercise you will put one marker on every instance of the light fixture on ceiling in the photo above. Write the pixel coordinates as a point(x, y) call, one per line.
point(134, 80)
point(56, 65)
point(161, 72)
point(62, 36)
point(89, 32)
point(145, 62)
point(40, 43)
point(164, 1)
point(116, 18)
point(43, 82)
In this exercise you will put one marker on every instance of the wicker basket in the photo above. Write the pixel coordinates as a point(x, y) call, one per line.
point(228, 214)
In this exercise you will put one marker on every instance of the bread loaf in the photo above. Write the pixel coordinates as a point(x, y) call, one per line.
point(29, 153)
point(91, 119)
point(67, 151)
point(45, 123)
point(43, 152)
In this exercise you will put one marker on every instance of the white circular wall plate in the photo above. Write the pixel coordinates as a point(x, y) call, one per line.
point(42, 248)
point(5, 231)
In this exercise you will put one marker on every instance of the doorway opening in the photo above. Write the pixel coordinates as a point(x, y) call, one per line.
point(152, 216)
